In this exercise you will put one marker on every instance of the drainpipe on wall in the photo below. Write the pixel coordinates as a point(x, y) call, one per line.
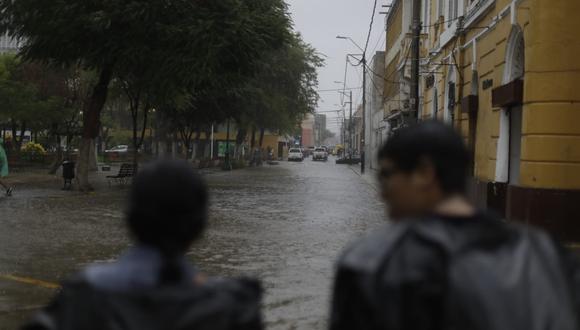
point(461, 59)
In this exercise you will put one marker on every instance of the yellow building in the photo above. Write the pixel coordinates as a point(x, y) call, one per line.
point(505, 73)
point(397, 81)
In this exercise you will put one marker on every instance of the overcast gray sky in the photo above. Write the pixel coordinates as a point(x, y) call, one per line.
point(320, 21)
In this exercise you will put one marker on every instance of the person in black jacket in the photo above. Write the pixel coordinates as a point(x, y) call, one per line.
point(443, 264)
point(152, 286)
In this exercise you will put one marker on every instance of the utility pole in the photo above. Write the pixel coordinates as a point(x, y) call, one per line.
point(211, 144)
point(364, 105)
point(415, 58)
point(227, 158)
point(363, 128)
point(350, 132)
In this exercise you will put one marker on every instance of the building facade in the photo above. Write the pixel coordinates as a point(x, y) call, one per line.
point(375, 132)
point(504, 73)
point(397, 79)
point(307, 139)
point(319, 129)
point(357, 126)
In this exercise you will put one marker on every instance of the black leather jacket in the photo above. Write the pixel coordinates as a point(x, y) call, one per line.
point(476, 273)
point(216, 305)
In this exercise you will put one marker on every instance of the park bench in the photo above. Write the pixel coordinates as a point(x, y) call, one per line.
point(125, 174)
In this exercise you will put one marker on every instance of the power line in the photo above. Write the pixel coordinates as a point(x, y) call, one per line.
point(381, 38)
point(386, 78)
point(338, 89)
point(448, 21)
point(371, 26)
point(344, 83)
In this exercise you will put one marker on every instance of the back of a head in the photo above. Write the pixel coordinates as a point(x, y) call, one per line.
point(168, 206)
point(435, 141)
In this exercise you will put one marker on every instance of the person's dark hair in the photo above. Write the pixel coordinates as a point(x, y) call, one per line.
point(168, 207)
point(434, 141)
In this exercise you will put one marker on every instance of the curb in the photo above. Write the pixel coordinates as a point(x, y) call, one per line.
point(373, 185)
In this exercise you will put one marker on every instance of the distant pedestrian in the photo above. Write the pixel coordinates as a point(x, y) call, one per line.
point(442, 264)
point(152, 286)
point(4, 169)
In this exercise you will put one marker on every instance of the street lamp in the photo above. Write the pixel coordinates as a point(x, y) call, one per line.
point(363, 130)
point(353, 42)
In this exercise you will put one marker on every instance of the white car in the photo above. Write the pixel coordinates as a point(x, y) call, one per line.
point(320, 154)
point(121, 149)
point(295, 154)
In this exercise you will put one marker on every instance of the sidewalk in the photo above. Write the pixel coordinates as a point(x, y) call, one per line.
point(370, 176)
point(38, 178)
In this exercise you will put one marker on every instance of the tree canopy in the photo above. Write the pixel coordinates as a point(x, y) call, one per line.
point(199, 62)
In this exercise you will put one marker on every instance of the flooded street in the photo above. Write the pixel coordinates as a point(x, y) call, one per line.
point(284, 224)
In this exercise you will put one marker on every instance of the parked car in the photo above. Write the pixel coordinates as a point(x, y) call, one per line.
point(295, 154)
point(120, 149)
point(320, 154)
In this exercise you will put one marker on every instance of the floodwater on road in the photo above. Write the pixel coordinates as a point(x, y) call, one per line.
point(284, 224)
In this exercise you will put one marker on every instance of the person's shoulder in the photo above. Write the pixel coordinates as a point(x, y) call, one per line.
point(368, 253)
point(239, 289)
point(238, 298)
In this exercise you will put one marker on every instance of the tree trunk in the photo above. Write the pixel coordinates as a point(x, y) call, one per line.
point(241, 136)
point(227, 158)
point(134, 114)
point(93, 166)
point(14, 129)
point(59, 156)
point(196, 143)
point(208, 145)
point(173, 147)
point(91, 124)
point(22, 132)
point(83, 165)
point(262, 131)
point(253, 140)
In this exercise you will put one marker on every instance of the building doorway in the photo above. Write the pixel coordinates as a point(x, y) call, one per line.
point(511, 118)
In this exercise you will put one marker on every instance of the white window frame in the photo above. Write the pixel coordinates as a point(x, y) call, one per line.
point(453, 11)
point(426, 15)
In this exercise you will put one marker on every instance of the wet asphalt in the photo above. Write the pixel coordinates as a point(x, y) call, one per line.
point(285, 224)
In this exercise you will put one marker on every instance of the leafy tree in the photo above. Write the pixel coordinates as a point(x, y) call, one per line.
point(285, 89)
point(25, 103)
point(196, 43)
